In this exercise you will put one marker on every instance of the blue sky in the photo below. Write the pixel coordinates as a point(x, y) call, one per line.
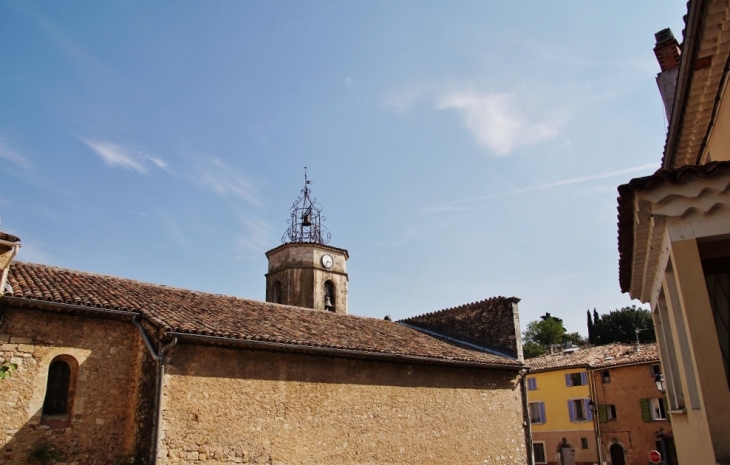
point(461, 150)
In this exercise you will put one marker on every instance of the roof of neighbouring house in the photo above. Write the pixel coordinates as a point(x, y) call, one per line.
point(609, 355)
point(182, 311)
point(8, 237)
point(626, 192)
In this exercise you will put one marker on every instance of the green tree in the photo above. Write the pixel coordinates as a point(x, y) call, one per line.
point(531, 349)
point(621, 325)
point(591, 335)
point(546, 331)
point(575, 338)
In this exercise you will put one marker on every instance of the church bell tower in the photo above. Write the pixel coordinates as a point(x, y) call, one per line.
point(304, 271)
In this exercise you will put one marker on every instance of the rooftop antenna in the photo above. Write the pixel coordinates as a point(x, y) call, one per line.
point(637, 346)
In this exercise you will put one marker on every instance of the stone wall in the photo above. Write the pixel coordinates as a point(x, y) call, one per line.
point(492, 323)
point(106, 415)
point(242, 406)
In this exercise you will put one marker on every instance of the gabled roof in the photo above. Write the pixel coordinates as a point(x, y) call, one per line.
point(610, 355)
point(175, 311)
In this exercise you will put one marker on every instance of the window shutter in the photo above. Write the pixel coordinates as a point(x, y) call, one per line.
point(645, 410)
point(543, 419)
point(567, 380)
point(571, 410)
point(589, 413)
point(584, 378)
point(666, 406)
point(532, 383)
point(602, 413)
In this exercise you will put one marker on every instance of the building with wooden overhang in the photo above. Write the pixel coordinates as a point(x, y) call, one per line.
point(674, 230)
point(599, 405)
point(111, 368)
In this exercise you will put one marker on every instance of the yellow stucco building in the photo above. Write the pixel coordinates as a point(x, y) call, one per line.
point(558, 395)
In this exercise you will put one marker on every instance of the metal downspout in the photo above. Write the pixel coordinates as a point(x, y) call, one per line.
point(526, 419)
point(596, 420)
point(158, 385)
point(4, 276)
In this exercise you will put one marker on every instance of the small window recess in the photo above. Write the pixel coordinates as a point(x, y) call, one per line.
point(60, 392)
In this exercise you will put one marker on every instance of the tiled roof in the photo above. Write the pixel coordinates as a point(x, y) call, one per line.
point(488, 323)
point(174, 310)
point(610, 355)
point(8, 237)
point(626, 206)
point(703, 72)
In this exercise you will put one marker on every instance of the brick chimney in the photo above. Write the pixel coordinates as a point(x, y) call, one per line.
point(9, 246)
point(668, 54)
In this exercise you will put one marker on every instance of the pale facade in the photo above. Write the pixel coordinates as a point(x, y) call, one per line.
point(673, 241)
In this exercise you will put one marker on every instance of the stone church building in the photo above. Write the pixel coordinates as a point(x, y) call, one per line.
point(110, 369)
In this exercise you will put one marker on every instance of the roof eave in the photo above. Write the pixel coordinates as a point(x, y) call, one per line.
point(690, 48)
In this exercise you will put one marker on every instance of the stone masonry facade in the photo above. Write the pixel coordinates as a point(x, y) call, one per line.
point(247, 406)
point(108, 414)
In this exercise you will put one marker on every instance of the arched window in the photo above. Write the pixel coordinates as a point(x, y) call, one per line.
point(329, 296)
point(277, 292)
point(60, 389)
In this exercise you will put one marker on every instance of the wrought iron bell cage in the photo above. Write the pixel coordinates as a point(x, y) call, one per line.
point(305, 219)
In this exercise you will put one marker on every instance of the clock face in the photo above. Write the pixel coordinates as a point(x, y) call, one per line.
point(327, 261)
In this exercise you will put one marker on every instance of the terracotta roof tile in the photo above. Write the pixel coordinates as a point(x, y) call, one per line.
point(8, 237)
point(626, 206)
point(191, 312)
point(610, 355)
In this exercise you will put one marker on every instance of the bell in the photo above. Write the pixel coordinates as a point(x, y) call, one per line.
point(306, 220)
point(327, 303)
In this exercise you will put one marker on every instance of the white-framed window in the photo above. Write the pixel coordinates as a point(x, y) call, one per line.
point(658, 411)
point(606, 375)
point(656, 369)
point(531, 384)
point(578, 410)
point(537, 412)
point(538, 451)
point(576, 379)
point(653, 409)
point(611, 412)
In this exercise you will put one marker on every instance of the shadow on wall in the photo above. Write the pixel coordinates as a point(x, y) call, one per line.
point(82, 393)
point(246, 364)
point(50, 435)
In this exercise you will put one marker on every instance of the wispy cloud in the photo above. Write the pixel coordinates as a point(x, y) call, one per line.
point(216, 175)
point(458, 205)
point(500, 121)
point(495, 120)
point(257, 239)
point(404, 99)
point(12, 155)
point(114, 155)
point(126, 157)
